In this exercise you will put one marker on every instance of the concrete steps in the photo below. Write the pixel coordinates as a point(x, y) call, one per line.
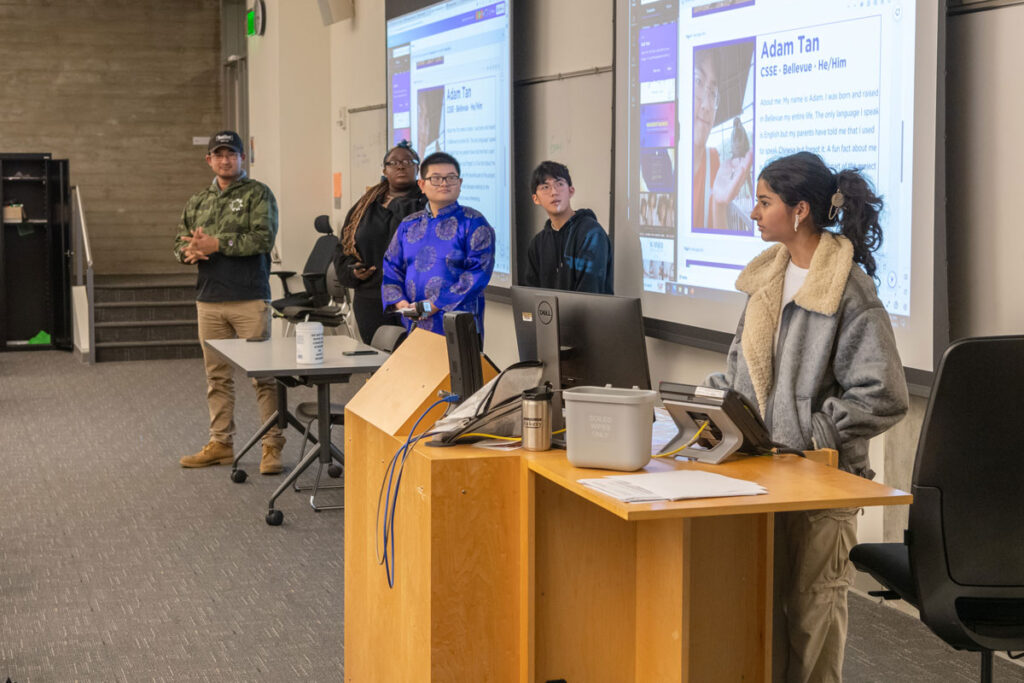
point(145, 318)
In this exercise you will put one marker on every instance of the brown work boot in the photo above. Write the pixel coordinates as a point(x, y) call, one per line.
point(271, 462)
point(213, 453)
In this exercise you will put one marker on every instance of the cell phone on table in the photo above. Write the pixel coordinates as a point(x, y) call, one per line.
point(359, 352)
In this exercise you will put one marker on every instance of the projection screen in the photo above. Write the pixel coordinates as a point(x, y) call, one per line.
point(709, 92)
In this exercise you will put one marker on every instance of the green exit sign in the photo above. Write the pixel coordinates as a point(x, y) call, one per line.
point(256, 19)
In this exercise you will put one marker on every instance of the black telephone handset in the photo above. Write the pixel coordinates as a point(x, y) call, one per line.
point(756, 439)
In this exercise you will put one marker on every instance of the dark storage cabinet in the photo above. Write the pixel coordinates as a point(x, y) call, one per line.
point(35, 283)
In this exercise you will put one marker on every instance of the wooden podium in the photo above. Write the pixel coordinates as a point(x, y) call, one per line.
point(452, 614)
point(508, 569)
point(667, 591)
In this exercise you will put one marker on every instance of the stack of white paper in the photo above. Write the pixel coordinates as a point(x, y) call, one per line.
point(674, 485)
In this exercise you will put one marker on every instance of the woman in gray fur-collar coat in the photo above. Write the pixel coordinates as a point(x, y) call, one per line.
point(815, 352)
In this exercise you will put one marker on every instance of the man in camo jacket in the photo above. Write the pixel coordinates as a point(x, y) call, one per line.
point(227, 231)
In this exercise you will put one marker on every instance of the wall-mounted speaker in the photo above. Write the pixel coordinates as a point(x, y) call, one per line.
point(333, 11)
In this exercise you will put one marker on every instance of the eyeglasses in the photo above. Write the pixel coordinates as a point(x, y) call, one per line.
point(705, 88)
point(401, 163)
point(439, 180)
point(548, 188)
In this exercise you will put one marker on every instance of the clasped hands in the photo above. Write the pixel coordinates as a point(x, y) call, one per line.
point(200, 246)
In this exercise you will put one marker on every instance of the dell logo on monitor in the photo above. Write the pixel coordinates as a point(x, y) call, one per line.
point(544, 313)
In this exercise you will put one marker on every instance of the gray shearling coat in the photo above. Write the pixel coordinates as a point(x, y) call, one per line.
point(836, 379)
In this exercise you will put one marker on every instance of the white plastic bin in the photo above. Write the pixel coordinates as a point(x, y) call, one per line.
point(608, 428)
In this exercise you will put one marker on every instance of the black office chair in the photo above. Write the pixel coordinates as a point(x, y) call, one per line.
point(962, 560)
point(341, 301)
point(386, 338)
point(315, 300)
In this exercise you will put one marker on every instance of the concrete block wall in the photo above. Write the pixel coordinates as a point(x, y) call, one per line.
point(118, 87)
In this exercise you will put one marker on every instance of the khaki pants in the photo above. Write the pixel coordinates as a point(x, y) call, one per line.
point(813, 573)
point(230, 320)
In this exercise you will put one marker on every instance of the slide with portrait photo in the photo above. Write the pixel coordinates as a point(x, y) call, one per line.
point(449, 70)
point(752, 81)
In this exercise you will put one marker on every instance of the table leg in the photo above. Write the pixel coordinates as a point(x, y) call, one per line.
point(285, 418)
point(282, 404)
point(323, 412)
point(327, 449)
point(323, 451)
point(307, 458)
point(338, 461)
point(255, 437)
point(282, 417)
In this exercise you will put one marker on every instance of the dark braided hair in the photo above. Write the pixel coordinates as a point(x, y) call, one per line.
point(805, 177)
point(374, 194)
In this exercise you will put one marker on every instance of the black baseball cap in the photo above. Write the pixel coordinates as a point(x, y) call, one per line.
point(225, 138)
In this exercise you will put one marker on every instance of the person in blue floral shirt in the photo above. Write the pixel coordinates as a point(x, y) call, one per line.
point(443, 255)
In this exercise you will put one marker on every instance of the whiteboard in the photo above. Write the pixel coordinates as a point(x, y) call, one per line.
point(983, 166)
point(368, 133)
point(570, 121)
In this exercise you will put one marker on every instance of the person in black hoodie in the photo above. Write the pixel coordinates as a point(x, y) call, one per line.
point(572, 252)
point(367, 231)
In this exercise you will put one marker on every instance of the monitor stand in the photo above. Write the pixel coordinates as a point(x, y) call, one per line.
point(549, 352)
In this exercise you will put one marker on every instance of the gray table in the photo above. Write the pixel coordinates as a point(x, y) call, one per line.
point(275, 358)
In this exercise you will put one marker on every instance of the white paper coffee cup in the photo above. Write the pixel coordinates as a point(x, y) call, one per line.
point(309, 343)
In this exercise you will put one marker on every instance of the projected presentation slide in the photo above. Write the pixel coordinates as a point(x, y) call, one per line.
point(449, 74)
point(722, 88)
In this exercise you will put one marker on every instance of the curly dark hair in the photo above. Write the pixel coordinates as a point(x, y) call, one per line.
point(805, 177)
point(374, 194)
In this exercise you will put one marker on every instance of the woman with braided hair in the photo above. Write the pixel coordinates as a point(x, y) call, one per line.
point(367, 231)
point(815, 352)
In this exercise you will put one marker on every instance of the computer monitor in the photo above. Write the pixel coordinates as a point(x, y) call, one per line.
point(600, 337)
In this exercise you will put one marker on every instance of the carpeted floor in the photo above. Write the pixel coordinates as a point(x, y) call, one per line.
point(886, 645)
point(118, 565)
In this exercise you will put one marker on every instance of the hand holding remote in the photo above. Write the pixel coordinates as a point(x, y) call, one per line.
point(418, 310)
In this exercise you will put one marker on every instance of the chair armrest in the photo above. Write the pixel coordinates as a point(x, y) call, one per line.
point(284, 275)
point(329, 316)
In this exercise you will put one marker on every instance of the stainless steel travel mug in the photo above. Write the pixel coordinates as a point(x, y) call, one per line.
point(537, 418)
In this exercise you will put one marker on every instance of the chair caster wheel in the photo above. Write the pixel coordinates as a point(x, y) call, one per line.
point(238, 476)
point(275, 517)
point(334, 471)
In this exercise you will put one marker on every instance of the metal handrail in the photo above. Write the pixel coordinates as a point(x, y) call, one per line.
point(82, 233)
point(83, 247)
